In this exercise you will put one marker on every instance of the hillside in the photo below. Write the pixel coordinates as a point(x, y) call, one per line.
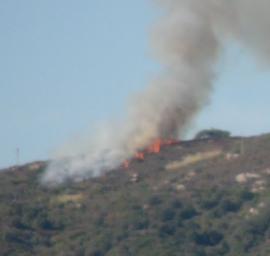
point(194, 198)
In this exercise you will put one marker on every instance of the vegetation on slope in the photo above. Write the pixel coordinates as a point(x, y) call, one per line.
point(212, 133)
point(216, 204)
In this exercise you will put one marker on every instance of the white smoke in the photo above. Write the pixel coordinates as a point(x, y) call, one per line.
point(186, 41)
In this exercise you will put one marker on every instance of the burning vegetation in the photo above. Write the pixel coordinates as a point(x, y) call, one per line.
point(153, 148)
point(187, 200)
point(187, 41)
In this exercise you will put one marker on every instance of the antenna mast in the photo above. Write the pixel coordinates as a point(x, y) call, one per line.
point(17, 156)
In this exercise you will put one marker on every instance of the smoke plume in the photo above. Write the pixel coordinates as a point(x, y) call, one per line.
point(186, 41)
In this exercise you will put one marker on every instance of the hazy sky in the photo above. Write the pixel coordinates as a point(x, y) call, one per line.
point(68, 64)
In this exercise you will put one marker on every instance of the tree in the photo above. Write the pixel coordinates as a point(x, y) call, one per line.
point(212, 133)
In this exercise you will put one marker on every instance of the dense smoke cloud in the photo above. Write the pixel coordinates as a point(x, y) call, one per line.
point(186, 41)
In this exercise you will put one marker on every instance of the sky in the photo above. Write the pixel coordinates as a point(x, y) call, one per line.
point(65, 65)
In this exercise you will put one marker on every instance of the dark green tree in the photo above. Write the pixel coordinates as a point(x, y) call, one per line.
point(212, 133)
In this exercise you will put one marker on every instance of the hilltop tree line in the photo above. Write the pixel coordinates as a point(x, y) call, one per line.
point(212, 133)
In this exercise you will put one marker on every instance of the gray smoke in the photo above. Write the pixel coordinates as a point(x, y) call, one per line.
point(186, 41)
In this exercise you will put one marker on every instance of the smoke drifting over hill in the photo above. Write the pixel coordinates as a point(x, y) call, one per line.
point(187, 41)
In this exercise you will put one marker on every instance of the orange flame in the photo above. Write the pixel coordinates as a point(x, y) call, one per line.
point(155, 147)
point(170, 142)
point(139, 155)
point(126, 164)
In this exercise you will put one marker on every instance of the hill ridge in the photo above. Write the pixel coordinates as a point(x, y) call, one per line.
point(199, 197)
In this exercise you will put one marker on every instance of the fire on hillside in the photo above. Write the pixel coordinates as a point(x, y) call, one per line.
point(153, 148)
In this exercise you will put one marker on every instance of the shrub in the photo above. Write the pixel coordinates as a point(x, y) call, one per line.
point(141, 224)
point(45, 223)
point(209, 204)
point(230, 206)
point(176, 203)
point(12, 237)
point(16, 209)
point(225, 248)
point(246, 195)
point(212, 133)
point(154, 200)
point(95, 253)
point(208, 238)
point(166, 229)
point(17, 223)
point(32, 212)
point(188, 212)
point(167, 214)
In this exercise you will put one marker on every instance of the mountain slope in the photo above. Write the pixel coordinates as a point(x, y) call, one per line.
point(203, 197)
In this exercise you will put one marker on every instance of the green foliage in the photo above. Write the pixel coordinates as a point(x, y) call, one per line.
point(167, 214)
point(18, 223)
point(176, 203)
point(208, 238)
point(230, 206)
point(188, 212)
point(212, 133)
point(246, 195)
point(167, 229)
point(154, 200)
point(209, 216)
